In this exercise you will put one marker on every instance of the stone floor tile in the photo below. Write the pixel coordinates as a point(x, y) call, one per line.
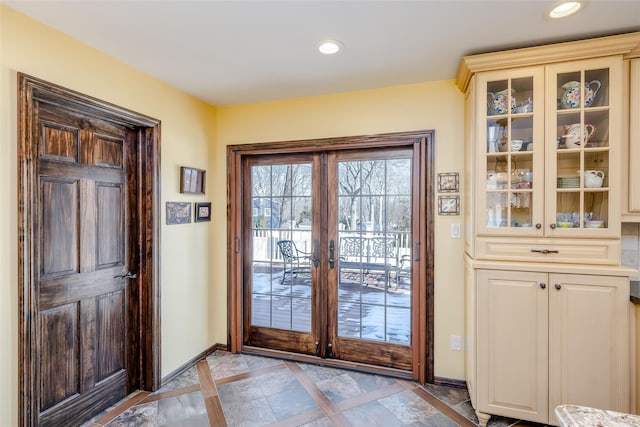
point(408, 407)
point(372, 414)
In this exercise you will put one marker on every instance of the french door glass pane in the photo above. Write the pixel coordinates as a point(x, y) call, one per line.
point(374, 250)
point(281, 245)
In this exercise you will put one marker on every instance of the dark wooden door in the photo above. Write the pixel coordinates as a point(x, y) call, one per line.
point(82, 257)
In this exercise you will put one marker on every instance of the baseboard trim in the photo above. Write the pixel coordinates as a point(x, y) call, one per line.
point(191, 362)
point(450, 382)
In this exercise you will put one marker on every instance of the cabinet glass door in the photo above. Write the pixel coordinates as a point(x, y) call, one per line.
point(579, 146)
point(512, 139)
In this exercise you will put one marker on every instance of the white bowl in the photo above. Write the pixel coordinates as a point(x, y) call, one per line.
point(594, 224)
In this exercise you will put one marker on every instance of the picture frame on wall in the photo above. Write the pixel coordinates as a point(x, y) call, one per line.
point(449, 205)
point(448, 182)
point(203, 211)
point(192, 180)
point(178, 213)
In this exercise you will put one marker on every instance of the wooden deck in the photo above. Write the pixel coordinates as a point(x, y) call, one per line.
point(365, 310)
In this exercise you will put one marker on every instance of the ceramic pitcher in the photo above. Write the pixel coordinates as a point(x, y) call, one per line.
point(572, 93)
point(593, 178)
point(498, 102)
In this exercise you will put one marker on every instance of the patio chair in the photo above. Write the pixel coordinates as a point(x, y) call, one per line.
point(403, 271)
point(296, 260)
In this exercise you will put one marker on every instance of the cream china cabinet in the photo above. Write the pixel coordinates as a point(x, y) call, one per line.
point(549, 165)
point(632, 165)
point(546, 298)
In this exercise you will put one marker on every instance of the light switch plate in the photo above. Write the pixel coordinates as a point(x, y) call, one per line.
point(456, 342)
point(455, 231)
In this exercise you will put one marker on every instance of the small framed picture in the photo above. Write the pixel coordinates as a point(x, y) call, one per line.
point(448, 182)
point(449, 205)
point(178, 213)
point(192, 180)
point(203, 211)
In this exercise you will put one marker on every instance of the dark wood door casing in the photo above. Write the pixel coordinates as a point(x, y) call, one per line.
point(73, 147)
point(421, 143)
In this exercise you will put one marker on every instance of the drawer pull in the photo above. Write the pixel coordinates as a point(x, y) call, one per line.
point(545, 251)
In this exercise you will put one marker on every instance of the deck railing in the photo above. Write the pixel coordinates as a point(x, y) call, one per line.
point(265, 241)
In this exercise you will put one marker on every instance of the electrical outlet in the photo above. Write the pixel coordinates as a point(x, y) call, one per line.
point(455, 231)
point(456, 342)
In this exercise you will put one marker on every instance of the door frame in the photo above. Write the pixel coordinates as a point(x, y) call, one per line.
point(423, 146)
point(145, 217)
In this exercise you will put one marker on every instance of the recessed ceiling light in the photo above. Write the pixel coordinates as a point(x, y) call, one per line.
point(565, 8)
point(329, 47)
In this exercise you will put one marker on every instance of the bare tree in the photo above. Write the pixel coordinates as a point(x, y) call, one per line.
point(354, 178)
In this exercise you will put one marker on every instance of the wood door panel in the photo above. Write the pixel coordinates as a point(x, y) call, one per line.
point(108, 152)
point(280, 339)
point(87, 344)
point(110, 228)
point(110, 310)
point(62, 170)
point(60, 142)
point(66, 289)
point(60, 227)
point(398, 357)
point(73, 411)
point(78, 120)
point(59, 357)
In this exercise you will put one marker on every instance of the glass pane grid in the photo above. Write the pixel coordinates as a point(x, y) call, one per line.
point(281, 241)
point(374, 250)
point(583, 149)
point(509, 148)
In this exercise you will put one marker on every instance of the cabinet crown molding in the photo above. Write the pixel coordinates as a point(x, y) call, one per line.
point(627, 45)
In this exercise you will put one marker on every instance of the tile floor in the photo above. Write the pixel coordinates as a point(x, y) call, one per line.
point(245, 390)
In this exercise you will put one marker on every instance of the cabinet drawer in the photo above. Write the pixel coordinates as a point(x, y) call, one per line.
point(583, 251)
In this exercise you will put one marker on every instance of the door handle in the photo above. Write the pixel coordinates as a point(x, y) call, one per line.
point(129, 275)
point(545, 251)
point(315, 254)
point(332, 250)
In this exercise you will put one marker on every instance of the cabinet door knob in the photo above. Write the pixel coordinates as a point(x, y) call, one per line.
point(553, 226)
point(558, 286)
point(543, 285)
point(538, 226)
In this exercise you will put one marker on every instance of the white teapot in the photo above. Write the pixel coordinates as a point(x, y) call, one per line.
point(573, 91)
point(572, 135)
point(593, 178)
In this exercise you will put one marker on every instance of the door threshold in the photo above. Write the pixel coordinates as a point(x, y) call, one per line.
point(331, 363)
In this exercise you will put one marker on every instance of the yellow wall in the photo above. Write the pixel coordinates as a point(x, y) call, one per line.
point(435, 105)
point(193, 256)
point(188, 130)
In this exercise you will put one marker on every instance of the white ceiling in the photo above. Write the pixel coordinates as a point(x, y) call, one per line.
point(236, 52)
